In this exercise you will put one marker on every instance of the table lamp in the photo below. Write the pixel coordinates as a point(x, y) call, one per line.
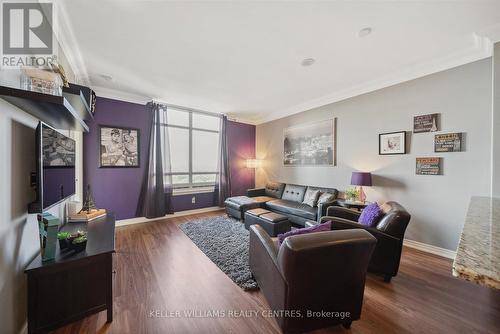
point(361, 179)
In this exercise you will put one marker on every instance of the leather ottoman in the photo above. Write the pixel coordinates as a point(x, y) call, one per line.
point(237, 206)
point(273, 223)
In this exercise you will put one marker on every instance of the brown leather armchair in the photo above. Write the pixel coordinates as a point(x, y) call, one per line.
point(389, 231)
point(312, 274)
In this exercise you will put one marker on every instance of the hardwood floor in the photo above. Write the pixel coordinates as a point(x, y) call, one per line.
point(159, 268)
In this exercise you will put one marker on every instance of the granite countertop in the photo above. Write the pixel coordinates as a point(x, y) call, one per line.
point(478, 253)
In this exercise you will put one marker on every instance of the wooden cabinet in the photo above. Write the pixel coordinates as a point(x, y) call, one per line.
point(73, 286)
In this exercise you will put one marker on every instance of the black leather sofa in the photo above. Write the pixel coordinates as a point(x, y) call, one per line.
point(389, 231)
point(286, 199)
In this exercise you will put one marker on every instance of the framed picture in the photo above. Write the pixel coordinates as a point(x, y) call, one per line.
point(426, 123)
point(118, 147)
point(392, 143)
point(449, 142)
point(310, 144)
point(428, 166)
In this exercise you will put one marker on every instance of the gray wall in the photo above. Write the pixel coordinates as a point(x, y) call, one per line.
point(496, 121)
point(438, 204)
point(19, 242)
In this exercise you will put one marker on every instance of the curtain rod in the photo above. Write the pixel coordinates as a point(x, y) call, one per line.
point(188, 109)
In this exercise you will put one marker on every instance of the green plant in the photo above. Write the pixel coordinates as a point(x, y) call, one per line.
point(63, 235)
point(351, 194)
point(80, 239)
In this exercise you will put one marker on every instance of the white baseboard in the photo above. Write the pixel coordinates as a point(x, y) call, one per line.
point(430, 248)
point(140, 220)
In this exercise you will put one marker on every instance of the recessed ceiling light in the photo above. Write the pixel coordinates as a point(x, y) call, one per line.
point(307, 62)
point(106, 77)
point(365, 32)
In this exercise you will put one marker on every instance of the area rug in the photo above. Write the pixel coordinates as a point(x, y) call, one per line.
point(225, 241)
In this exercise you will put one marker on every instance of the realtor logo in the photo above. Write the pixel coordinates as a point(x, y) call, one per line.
point(27, 34)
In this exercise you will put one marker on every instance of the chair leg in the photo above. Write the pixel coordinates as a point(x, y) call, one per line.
point(347, 325)
point(387, 278)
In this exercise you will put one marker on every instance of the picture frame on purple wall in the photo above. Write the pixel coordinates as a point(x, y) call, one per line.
point(119, 147)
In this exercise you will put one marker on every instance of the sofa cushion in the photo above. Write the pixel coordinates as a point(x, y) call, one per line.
point(274, 189)
point(263, 199)
point(311, 197)
point(370, 215)
point(326, 197)
point(292, 207)
point(294, 192)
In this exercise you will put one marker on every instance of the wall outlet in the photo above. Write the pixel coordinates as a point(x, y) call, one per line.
point(193, 200)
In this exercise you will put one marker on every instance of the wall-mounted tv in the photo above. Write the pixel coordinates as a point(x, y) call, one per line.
point(55, 176)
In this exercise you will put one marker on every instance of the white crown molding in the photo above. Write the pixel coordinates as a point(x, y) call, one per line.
point(482, 49)
point(430, 248)
point(69, 44)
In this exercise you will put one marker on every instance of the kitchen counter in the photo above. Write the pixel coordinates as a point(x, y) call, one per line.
point(478, 253)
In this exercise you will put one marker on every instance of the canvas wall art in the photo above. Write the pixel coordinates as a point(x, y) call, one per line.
point(310, 144)
point(118, 147)
point(449, 142)
point(426, 123)
point(428, 166)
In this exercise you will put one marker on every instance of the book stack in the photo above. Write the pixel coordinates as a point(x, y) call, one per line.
point(87, 216)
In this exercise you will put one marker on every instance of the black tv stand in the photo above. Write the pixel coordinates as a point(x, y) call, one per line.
point(73, 286)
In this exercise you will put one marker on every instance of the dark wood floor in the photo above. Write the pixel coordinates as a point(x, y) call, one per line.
point(159, 268)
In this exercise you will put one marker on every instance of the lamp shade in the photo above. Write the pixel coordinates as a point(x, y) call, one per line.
point(254, 163)
point(361, 179)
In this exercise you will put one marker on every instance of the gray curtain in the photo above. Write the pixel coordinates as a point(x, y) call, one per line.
point(224, 179)
point(156, 194)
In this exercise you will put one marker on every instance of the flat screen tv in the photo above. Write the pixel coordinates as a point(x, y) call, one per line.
point(55, 177)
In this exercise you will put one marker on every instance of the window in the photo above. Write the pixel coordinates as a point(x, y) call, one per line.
point(194, 147)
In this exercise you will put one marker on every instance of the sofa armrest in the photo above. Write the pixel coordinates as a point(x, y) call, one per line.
point(256, 192)
point(323, 207)
point(344, 224)
point(260, 240)
point(340, 212)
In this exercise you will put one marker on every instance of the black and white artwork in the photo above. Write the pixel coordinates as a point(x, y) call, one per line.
point(58, 150)
point(392, 143)
point(310, 144)
point(119, 147)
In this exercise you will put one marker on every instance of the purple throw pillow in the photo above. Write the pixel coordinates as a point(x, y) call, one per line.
point(370, 215)
point(311, 229)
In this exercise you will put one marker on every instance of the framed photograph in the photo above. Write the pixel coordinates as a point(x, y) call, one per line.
point(449, 142)
point(118, 147)
point(426, 123)
point(428, 166)
point(310, 144)
point(392, 143)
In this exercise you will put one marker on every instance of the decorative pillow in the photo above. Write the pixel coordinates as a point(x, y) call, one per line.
point(326, 197)
point(306, 230)
point(370, 215)
point(311, 197)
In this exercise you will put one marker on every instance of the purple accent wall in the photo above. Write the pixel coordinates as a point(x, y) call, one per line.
point(117, 189)
point(241, 143)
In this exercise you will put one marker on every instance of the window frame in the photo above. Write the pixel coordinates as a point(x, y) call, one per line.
point(186, 187)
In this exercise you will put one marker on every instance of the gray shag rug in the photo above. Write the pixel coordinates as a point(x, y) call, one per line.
point(225, 241)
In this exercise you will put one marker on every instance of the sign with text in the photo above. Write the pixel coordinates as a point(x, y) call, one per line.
point(425, 123)
point(449, 142)
point(428, 166)
point(27, 34)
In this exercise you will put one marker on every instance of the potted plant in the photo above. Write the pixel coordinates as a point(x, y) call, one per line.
point(63, 239)
point(351, 194)
point(80, 243)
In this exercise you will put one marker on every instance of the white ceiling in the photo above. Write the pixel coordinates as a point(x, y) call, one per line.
point(243, 58)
